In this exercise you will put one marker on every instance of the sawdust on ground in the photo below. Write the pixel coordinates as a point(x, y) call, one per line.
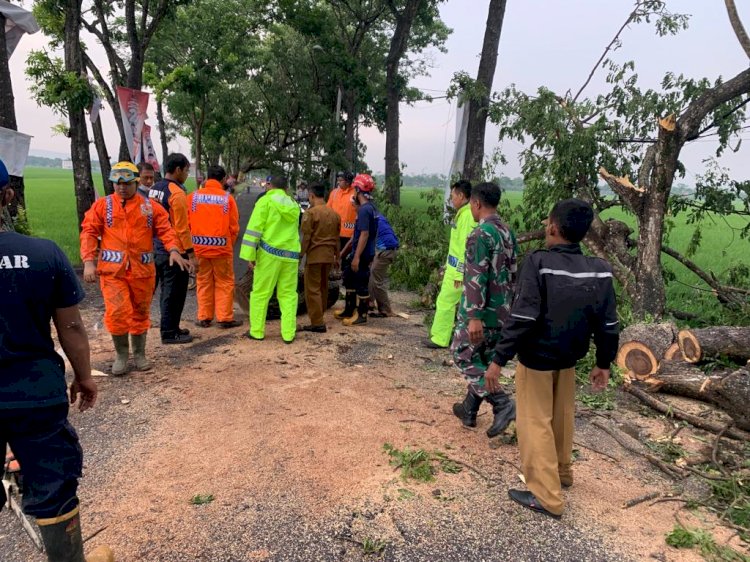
point(288, 439)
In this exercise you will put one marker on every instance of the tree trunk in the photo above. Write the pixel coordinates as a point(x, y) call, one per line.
point(8, 114)
point(79, 138)
point(394, 84)
point(162, 129)
point(642, 347)
point(352, 117)
point(674, 353)
point(102, 154)
point(717, 341)
point(477, 120)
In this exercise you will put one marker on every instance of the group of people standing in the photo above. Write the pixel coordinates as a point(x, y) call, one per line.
point(545, 315)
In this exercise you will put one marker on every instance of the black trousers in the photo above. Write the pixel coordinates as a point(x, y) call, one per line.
point(359, 280)
point(47, 447)
point(174, 286)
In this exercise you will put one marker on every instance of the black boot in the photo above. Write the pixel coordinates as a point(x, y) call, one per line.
point(360, 315)
point(62, 537)
point(467, 410)
point(504, 409)
point(350, 305)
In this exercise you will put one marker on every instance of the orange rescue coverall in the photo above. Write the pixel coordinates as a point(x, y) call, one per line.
point(214, 225)
point(126, 257)
point(340, 200)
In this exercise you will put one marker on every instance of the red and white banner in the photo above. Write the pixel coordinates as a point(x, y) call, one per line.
point(133, 106)
point(149, 154)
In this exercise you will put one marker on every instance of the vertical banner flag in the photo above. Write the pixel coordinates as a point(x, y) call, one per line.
point(149, 154)
point(459, 147)
point(133, 106)
point(14, 150)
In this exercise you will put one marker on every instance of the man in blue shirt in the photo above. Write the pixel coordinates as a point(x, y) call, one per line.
point(38, 284)
point(362, 250)
point(386, 249)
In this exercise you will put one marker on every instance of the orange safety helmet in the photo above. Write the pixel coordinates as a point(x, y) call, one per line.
point(364, 183)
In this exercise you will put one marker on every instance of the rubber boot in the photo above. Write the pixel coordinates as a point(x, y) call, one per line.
point(504, 409)
point(122, 350)
point(349, 307)
point(138, 343)
point(467, 410)
point(63, 543)
point(62, 537)
point(360, 315)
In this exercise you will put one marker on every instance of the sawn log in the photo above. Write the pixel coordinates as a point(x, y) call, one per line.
point(642, 347)
point(703, 343)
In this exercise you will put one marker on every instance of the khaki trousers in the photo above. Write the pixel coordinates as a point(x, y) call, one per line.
point(379, 279)
point(545, 414)
point(316, 291)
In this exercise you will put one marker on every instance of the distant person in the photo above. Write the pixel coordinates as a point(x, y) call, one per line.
point(146, 176)
point(340, 200)
point(271, 246)
point(33, 391)
point(452, 286)
point(320, 248)
point(386, 250)
point(489, 280)
point(562, 299)
point(120, 229)
point(171, 194)
point(7, 196)
point(358, 254)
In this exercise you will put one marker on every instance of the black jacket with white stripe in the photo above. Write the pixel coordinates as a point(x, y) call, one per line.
point(561, 300)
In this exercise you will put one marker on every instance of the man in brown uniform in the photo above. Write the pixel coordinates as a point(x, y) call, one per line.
point(320, 245)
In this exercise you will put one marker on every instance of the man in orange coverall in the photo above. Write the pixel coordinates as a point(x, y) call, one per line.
point(214, 225)
point(126, 223)
point(340, 200)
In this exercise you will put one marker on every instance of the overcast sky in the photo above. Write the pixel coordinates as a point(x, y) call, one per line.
point(544, 42)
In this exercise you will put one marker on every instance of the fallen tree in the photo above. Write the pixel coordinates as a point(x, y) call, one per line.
point(717, 341)
point(643, 346)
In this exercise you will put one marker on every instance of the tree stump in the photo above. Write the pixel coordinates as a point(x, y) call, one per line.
point(729, 341)
point(642, 347)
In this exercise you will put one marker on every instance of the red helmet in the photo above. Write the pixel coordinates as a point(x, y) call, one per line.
point(364, 182)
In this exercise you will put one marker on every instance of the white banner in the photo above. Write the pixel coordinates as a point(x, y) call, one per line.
point(17, 22)
point(14, 150)
point(459, 147)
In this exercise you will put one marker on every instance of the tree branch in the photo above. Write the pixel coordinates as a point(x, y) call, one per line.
point(739, 29)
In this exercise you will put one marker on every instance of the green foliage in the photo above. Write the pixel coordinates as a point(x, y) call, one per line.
point(373, 546)
point(424, 238)
point(686, 537)
point(733, 498)
point(419, 464)
point(54, 87)
point(667, 449)
point(21, 222)
point(201, 499)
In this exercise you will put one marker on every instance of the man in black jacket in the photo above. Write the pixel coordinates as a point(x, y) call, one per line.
point(562, 299)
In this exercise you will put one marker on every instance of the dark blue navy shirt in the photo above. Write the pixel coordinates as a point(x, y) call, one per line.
point(366, 221)
point(35, 279)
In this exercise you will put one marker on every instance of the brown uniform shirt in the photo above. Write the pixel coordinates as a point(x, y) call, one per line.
point(320, 234)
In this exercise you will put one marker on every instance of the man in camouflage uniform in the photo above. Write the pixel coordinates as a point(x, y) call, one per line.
point(489, 280)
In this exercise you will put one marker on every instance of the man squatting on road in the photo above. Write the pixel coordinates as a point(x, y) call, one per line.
point(489, 280)
point(562, 299)
point(39, 285)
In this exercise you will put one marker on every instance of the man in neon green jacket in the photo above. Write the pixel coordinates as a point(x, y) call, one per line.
point(452, 287)
point(271, 246)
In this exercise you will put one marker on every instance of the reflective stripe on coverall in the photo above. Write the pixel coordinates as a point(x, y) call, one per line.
point(272, 242)
point(214, 225)
point(126, 257)
point(450, 295)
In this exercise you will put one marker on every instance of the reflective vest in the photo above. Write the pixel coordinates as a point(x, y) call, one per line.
point(214, 220)
point(463, 224)
point(127, 230)
point(340, 200)
point(273, 228)
point(171, 196)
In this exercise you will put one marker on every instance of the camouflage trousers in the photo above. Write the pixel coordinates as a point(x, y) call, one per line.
point(473, 360)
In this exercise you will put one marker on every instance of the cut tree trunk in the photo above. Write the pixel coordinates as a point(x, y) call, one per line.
point(674, 353)
point(733, 395)
point(728, 341)
point(642, 347)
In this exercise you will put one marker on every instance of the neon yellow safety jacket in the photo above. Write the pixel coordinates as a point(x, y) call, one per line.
point(273, 228)
point(463, 224)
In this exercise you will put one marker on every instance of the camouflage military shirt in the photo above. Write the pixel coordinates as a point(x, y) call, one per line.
point(489, 274)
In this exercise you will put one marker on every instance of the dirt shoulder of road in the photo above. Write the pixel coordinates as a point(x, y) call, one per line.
point(288, 443)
